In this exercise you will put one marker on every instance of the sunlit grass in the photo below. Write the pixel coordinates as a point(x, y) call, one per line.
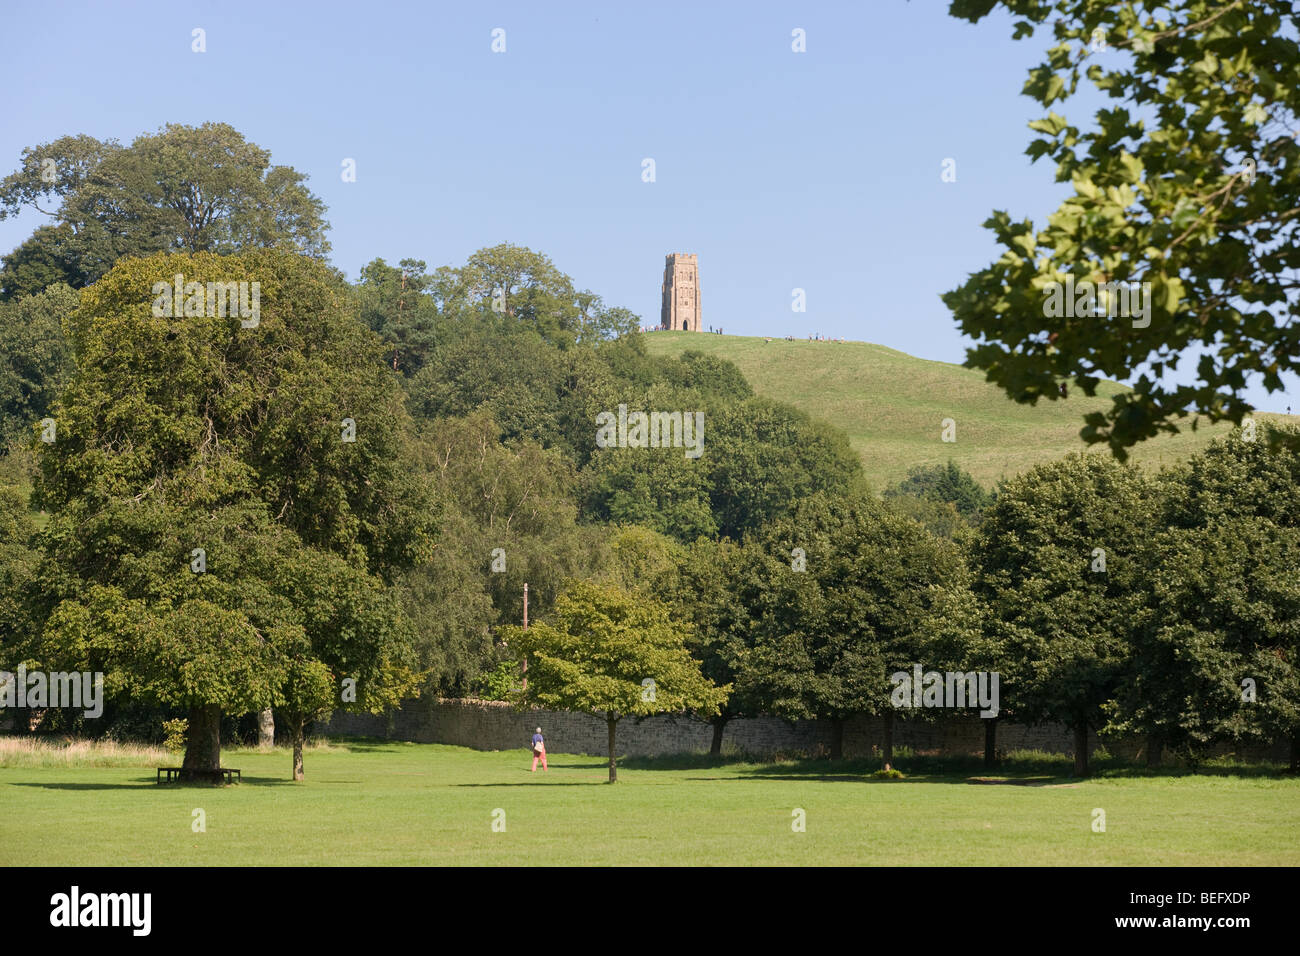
point(382, 802)
point(890, 405)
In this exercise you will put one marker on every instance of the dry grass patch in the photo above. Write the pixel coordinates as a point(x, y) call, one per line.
point(71, 752)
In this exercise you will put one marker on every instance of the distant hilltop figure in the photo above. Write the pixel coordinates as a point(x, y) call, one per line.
point(680, 306)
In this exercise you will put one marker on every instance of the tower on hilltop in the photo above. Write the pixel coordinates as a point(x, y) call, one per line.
point(680, 306)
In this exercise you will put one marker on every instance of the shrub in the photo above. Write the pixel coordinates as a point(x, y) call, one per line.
point(497, 684)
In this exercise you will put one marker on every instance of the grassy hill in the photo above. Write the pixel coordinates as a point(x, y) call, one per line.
point(890, 404)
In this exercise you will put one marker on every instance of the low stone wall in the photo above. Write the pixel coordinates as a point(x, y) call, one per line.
point(491, 725)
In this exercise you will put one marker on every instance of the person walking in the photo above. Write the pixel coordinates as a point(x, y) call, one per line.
point(539, 751)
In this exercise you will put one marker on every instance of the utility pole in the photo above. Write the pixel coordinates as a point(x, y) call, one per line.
point(401, 304)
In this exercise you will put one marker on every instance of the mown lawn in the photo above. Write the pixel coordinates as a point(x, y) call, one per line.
point(367, 803)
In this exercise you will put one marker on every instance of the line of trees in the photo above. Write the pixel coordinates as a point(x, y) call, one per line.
point(472, 388)
point(1106, 600)
point(391, 561)
point(338, 506)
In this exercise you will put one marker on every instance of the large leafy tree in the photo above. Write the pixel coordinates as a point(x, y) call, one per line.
point(853, 605)
point(597, 650)
point(1224, 610)
point(1190, 182)
point(1058, 567)
point(195, 432)
point(656, 487)
point(183, 189)
point(532, 387)
point(509, 286)
point(642, 560)
point(708, 375)
point(523, 286)
point(1222, 606)
point(959, 640)
point(133, 609)
point(719, 588)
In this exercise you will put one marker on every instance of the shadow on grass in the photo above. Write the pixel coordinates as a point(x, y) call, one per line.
point(749, 767)
point(366, 745)
point(1023, 769)
point(1019, 781)
point(151, 783)
point(688, 761)
point(538, 783)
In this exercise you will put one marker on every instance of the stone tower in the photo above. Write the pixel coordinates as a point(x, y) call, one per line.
point(680, 306)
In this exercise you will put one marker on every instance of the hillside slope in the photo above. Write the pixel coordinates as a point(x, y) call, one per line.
point(891, 404)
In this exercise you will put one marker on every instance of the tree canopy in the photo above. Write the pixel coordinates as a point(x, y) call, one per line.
point(1059, 569)
point(227, 500)
point(1187, 189)
point(182, 189)
point(612, 653)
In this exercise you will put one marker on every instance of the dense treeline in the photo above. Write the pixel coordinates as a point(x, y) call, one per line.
point(464, 479)
point(336, 501)
point(1106, 600)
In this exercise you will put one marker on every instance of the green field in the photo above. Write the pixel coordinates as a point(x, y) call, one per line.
point(367, 803)
point(891, 404)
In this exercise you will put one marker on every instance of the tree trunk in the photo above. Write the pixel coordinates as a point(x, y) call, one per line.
point(719, 725)
point(297, 723)
point(266, 729)
point(887, 748)
point(990, 741)
point(1295, 752)
point(1155, 750)
point(1081, 749)
point(837, 738)
point(612, 722)
point(203, 744)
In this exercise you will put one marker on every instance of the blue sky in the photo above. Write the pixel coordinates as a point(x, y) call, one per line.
point(818, 170)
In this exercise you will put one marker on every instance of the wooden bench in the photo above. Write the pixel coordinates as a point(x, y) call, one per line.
point(176, 774)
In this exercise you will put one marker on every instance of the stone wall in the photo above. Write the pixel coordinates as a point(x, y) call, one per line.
point(490, 725)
